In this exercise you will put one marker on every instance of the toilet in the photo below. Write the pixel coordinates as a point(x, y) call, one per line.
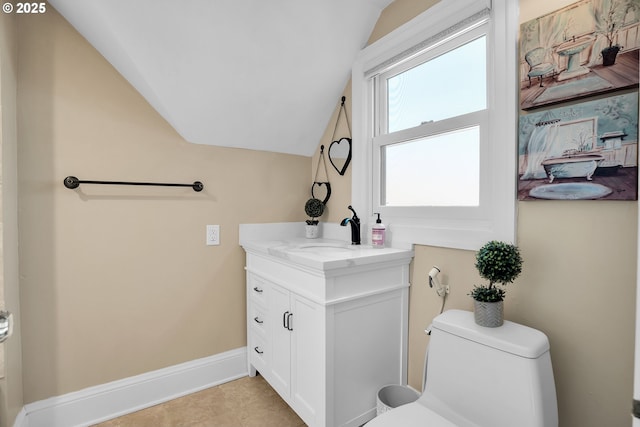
point(481, 377)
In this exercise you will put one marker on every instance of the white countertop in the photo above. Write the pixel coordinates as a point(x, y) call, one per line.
point(325, 254)
point(285, 241)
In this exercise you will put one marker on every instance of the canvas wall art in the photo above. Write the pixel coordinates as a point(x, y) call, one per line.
point(586, 48)
point(583, 151)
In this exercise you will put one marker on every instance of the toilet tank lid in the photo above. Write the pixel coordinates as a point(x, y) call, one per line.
point(510, 337)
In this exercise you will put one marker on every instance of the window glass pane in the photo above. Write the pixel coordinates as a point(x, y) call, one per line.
point(441, 170)
point(446, 86)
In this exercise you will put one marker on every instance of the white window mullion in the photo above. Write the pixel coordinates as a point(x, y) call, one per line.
point(459, 122)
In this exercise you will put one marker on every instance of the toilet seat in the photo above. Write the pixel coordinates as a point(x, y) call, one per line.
point(411, 415)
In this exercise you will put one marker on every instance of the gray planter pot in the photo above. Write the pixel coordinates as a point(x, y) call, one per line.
point(312, 231)
point(488, 314)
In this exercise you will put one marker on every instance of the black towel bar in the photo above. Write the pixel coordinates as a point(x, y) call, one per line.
point(73, 182)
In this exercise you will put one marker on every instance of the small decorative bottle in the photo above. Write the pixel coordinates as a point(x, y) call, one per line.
point(378, 233)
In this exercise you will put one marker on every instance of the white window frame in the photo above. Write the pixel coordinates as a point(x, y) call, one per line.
point(452, 227)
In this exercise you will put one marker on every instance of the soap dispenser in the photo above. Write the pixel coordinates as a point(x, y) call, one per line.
point(378, 233)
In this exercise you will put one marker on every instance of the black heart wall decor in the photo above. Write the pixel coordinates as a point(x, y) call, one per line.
point(327, 191)
point(340, 154)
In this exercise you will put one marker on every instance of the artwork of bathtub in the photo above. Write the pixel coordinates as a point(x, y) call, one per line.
point(574, 166)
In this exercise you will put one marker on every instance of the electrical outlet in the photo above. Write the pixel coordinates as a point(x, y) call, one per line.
point(213, 235)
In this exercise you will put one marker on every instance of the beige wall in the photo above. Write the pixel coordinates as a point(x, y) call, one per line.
point(117, 281)
point(11, 384)
point(578, 283)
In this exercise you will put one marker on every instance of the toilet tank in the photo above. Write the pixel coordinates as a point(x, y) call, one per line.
point(490, 376)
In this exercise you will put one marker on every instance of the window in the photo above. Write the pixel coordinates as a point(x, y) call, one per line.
point(456, 72)
point(435, 126)
point(444, 165)
point(445, 106)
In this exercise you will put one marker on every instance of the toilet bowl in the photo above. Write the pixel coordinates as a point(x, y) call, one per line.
point(481, 377)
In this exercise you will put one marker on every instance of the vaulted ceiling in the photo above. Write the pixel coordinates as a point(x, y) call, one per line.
point(255, 74)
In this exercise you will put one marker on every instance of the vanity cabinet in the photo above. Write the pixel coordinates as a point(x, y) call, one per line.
point(327, 339)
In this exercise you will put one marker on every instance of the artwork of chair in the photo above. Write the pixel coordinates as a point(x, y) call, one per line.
point(537, 66)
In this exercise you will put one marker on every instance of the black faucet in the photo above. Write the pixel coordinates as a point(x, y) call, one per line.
point(355, 226)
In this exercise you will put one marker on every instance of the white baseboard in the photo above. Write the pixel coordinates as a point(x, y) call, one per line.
point(106, 401)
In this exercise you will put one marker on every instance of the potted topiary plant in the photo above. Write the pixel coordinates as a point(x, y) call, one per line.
point(498, 262)
point(314, 208)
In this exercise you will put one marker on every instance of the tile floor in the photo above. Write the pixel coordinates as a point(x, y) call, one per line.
point(247, 402)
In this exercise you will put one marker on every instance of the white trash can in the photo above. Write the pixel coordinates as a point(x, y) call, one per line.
point(392, 396)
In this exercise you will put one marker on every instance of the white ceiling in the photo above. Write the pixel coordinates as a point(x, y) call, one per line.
point(256, 74)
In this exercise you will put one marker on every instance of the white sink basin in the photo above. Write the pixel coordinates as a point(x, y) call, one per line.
point(325, 249)
point(322, 247)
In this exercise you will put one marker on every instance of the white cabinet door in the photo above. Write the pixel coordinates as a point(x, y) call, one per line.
point(308, 369)
point(280, 317)
point(296, 365)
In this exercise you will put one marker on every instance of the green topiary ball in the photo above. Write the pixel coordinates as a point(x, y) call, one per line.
point(499, 262)
point(314, 208)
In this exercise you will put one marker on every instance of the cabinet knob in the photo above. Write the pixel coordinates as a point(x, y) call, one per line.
point(258, 290)
point(257, 320)
point(257, 350)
